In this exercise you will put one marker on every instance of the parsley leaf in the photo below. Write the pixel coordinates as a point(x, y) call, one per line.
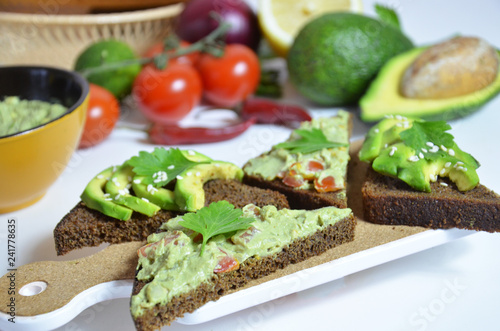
point(423, 132)
point(171, 162)
point(218, 218)
point(310, 141)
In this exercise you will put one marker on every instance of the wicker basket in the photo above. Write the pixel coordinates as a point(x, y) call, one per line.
point(56, 40)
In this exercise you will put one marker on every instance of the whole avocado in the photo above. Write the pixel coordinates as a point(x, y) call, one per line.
point(335, 57)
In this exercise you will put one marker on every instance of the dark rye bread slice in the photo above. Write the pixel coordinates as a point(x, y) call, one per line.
point(390, 201)
point(254, 268)
point(300, 198)
point(84, 227)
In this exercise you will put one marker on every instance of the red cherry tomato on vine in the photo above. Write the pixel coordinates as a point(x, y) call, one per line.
point(229, 79)
point(166, 96)
point(158, 48)
point(102, 114)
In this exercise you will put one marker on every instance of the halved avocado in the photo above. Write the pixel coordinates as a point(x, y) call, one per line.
point(383, 96)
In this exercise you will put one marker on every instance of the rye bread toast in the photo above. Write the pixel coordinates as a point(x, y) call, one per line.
point(390, 201)
point(84, 227)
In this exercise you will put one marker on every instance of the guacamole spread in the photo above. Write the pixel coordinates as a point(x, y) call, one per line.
point(171, 262)
point(323, 169)
point(18, 115)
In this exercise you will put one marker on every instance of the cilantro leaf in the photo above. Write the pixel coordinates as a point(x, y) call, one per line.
point(310, 141)
point(423, 132)
point(218, 218)
point(171, 162)
point(388, 16)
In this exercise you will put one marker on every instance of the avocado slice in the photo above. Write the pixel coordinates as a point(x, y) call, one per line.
point(118, 188)
point(94, 197)
point(162, 197)
point(188, 192)
point(390, 156)
point(383, 96)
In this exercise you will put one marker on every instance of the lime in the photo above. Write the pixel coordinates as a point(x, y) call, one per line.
point(118, 80)
point(281, 20)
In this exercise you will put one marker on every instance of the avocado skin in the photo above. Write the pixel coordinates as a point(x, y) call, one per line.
point(335, 57)
point(384, 98)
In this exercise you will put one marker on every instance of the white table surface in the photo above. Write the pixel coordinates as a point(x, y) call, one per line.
point(455, 286)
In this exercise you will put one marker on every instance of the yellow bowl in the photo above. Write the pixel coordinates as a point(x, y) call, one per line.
point(32, 160)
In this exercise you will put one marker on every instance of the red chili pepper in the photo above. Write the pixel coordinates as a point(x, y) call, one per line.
point(176, 135)
point(270, 112)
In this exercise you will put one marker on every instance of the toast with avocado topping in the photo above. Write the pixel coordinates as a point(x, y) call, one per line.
point(420, 177)
point(310, 168)
point(131, 201)
point(179, 272)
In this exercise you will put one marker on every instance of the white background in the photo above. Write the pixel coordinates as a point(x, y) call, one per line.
point(451, 287)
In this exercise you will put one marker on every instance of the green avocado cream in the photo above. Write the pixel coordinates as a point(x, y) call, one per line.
point(280, 162)
point(18, 115)
point(172, 265)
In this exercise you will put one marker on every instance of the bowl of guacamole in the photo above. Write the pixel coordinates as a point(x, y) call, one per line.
point(42, 115)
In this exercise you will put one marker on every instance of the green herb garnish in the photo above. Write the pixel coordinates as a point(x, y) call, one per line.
point(218, 218)
point(310, 141)
point(388, 16)
point(422, 133)
point(161, 166)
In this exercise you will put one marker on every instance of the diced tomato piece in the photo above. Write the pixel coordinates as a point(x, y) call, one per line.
point(327, 184)
point(248, 234)
point(164, 241)
point(226, 263)
point(314, 166)
point(294, 181)
point(295, 169)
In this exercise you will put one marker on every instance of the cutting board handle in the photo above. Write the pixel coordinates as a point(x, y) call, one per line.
point(43, 287)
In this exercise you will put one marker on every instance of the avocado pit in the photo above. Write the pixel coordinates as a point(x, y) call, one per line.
point(453, 68)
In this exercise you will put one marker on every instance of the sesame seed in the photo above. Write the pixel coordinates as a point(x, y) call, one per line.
point(100, 177)
point(145, 199)
point(386, 145)
point(123, 191)
point(108, 199)
point(451, 152)
point(430, 144)
point(189, 173)
point(179, 177)
point(443, 171)
point(393, 150)
point(170, 167)
point(106, 195)
point(421, 155)
point(460, 168)
point(413, 158)
point(376, 130)
point(433, 177)
point(191, 152)
point(117, 197)
point(443, 183)
point(434, 149)
point(151, 189)
point(217, 165)
point(444, 148)
point(460, 163)
point(137, 181)
point(198, 174)
point(389, 116)
point(116, 182)
point(424, 150)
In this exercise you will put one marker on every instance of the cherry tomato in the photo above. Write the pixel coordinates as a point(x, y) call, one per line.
point(229, 79)
point(159, 47)
point(326, 185)
point(102, 114)
point(166, 96)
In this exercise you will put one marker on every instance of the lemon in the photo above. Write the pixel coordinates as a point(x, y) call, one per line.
point(119, 80)
point(281, 20)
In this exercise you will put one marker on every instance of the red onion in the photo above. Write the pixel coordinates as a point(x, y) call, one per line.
point(195, 21)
